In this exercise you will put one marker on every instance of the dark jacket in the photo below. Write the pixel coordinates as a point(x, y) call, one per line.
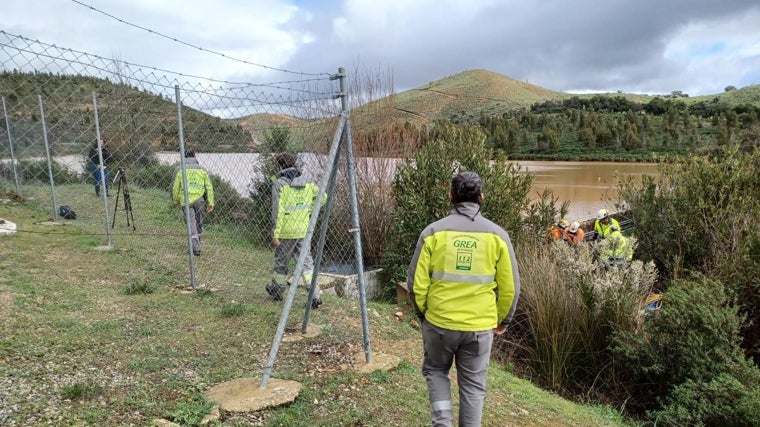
point(95, 160)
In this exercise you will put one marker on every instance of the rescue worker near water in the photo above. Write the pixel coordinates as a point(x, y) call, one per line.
point(294, 197)
point(558, 230)
point(604, 223)
point(464, 285)
point(616, 251)
point(200, 196)
point(574, 234)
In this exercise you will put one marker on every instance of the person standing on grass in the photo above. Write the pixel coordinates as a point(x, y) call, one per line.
point(294, 197)
point(464, 285)
point(100, 172)
point(200, 196)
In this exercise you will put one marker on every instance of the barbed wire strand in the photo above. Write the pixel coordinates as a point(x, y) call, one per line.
point(174, 39)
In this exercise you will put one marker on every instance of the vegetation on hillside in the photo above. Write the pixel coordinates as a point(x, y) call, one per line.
point(136, 121)
point(522, 120)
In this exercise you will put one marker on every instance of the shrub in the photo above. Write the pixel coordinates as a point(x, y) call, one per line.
point(703, 216)
point(723, 401)
point(153, 176)
point(569, 306)
point(690, 349)
point(421, 187)
point(38, 172)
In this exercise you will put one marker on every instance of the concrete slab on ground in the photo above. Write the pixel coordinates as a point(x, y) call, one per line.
point(245, 395)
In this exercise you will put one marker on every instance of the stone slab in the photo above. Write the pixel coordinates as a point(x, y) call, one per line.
point(245, 395)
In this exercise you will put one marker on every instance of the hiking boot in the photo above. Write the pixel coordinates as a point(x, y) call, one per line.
point(316, 302)
point(275, 291)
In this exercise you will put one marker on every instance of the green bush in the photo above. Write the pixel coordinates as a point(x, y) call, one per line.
point(702, 215)
point(569, 306)
point(37, 172)
point(723, 401)
point(690, 349)
point(421, 187)
point(153, 176)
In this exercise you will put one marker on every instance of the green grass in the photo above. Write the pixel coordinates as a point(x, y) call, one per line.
point(102, 337)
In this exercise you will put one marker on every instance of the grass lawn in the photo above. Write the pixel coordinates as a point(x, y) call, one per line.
point(104, 337)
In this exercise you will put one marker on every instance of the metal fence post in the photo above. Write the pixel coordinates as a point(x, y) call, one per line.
point(49, 158)
point(183, 168)
point(103, 185)
point(355, 229)
point(10, 145)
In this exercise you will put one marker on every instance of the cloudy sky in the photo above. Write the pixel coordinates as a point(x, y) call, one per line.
point(647, 46)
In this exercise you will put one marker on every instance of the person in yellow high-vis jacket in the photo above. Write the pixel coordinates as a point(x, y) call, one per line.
point(617, 251)
point(464, 285)
point(294, 197)
point(200, 193)
point(603, 224)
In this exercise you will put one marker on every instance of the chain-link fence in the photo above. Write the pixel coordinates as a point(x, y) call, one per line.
point(58, 103)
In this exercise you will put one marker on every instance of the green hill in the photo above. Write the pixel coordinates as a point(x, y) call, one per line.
point(468, 95)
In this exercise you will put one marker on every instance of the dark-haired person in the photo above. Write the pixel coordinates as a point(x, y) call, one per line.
point(464, 286)
point(200, 196)
point(100, 171)
point(294, 197)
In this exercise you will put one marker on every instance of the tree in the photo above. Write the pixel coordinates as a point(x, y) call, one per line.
point(277, 139)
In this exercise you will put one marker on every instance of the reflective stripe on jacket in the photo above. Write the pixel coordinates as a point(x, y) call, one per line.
point(463, 275)
point(293, 200)
point(198, 182)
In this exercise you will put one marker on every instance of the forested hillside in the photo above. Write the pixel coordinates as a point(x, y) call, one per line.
point(522, 120)
point(613, 127)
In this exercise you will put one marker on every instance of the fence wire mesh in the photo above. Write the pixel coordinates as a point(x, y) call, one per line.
point(58, 101)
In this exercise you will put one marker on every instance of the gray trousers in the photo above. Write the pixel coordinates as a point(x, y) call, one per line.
point(197, 212)
point(471, 351)
point(287, 250)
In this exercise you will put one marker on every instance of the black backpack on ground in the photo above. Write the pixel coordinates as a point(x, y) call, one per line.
point(66, 212)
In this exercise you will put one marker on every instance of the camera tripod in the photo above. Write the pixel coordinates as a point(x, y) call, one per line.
point(123, 188)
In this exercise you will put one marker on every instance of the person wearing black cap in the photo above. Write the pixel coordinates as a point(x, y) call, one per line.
point(200, 196)
point(464, 285)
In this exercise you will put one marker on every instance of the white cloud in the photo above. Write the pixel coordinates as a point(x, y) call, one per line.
point(586, 44)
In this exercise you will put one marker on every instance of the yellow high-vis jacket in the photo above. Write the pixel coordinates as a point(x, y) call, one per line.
point(294, 197)
point(463, 275)
point(199, 184)
point(618, 247)
point(604, 230)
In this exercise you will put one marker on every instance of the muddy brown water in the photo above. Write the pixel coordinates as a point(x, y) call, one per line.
point(588, 186)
